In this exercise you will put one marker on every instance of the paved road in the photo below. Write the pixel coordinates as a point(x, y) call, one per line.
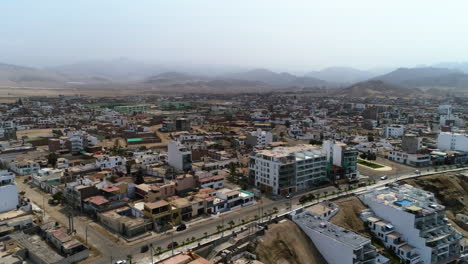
point(111, 251)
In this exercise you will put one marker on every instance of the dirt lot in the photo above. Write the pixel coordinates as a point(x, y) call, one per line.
point(450, 189)
point(348, 214)
point(31, 133)
point(285, 243)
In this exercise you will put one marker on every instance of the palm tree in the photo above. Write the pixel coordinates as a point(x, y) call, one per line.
point(158, 250)
point(205, 234)
point(219, 228)
point(129, 258)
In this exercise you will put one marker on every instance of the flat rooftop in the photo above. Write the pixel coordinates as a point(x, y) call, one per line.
point(405, 197)
point(332, 231)
point(279, 152)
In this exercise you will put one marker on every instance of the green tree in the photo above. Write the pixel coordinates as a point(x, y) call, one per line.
point(57, 196)
point(128, 166)
point(219, 227)
point(140, 176)
point(52, 159)
point(231, 224)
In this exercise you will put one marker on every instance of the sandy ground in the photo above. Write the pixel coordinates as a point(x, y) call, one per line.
point(285, 243)
point(348, 214)
point(37, 132)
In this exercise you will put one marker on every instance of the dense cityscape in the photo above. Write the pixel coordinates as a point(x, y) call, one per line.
point(204, 178)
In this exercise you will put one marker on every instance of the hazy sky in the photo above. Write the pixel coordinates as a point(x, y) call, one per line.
point(286, 34)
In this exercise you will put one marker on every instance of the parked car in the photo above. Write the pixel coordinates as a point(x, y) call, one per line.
point(384, 177)
point(172, 245)
point(289, 196)
point(144, 249)
point(181, 227)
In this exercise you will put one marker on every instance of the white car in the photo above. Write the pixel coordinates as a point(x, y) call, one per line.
point(120, 262)
point(384, 177)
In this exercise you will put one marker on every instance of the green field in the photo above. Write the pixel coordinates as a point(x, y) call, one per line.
point(369, 164)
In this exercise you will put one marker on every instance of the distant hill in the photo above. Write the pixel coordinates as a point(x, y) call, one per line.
point(459, 66)
point(173, 78)
point(283, 79)
point(116, 70)
point(426, 77)
point(341, 75)
point(14, 75)
point(376, 88)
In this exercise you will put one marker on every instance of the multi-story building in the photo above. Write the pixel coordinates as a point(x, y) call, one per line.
point(285, 170)
point(130, 109)
point(24, 167)
point(341, 155)
point(393, 131)
point(182, 124)
point(336, 244)
point(259, 138)
point(80, 140)
point(8, 191)
point(415, 160)
point(452, 141)
point(47, 174)
point(411, 143)
point(418, 219)
point(179, 156)
point(447, 117)
point(110, 162)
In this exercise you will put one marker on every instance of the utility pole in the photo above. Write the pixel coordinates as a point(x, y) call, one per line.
point(151, 252)
point(86, 233)
point(172, 240)
point(43, 207)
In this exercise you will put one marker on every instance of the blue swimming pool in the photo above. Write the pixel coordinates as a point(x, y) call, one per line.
point(403, 202)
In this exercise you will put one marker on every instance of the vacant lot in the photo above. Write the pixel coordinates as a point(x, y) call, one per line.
point(32, 133)
point(348, 214)
point(285, 243)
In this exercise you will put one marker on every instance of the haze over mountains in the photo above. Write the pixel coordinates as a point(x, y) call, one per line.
point(206, 78)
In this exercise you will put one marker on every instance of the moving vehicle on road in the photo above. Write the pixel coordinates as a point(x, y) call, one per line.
point(172, 245)
point(384, 177)
point(121, 261)
point(181, 227)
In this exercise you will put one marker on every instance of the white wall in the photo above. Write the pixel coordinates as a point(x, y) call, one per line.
point(332, 250)
point(403, 223)
point(452, 141)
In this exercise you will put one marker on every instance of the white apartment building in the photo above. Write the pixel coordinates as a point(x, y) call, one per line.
point(285, 170)
point(62, 163)
point(415, 160)
point(393, 131)
point(452, 141)
point(336, 244)
point(448, 118)
point(110, 162)
point(47, 174)
point(417, 218)
point(179, 156)
point(146, 157)
point(259, 138)
point(25, 167)
point(8, 191)
point(80, 140)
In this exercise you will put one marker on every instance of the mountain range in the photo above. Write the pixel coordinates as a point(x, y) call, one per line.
point(345, 75)
point(125, 72)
